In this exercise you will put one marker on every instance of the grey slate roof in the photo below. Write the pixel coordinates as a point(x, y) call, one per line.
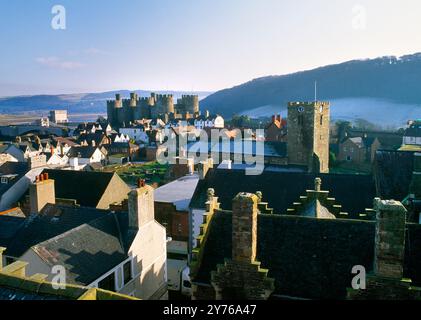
point(281, 188)
point(87, 188)
point(87, 242)
point(87, 252)
point(82, 152)
point(9, 225)
point(308, 258)
point(53, 221)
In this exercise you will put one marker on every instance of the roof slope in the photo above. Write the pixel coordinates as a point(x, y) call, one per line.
point(53, 221)
point(87, 188)
point(280, 189)
point(87, 252)
point(308, 258)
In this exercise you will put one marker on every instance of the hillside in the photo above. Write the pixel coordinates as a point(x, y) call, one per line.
point(394, 80)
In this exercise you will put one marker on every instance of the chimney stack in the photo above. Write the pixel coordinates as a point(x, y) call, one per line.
point(273, 118)
point(41, 193)
point(279, 118)
point(141, 206)
point(390, 238)
point(244, 227)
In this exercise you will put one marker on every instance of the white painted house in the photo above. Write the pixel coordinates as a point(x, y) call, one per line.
point(136, 133)
point(86, 155)
point(216, 122)
point(412, 134)
point(98, 249)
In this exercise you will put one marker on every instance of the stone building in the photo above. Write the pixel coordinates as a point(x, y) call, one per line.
point(250, 253)
point(308, 135)
point(122, 112)
point(16, 285)
point(358, 149)
point(276, 130)
point(122, 251)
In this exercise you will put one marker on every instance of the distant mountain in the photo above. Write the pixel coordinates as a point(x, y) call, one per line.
point(74, 103)
point(392, 80)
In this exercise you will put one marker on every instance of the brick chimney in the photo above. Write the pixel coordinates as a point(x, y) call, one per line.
point(390, 238)
point(279, 118)
point(41, 192)
point(244, 227)
point(141, 206)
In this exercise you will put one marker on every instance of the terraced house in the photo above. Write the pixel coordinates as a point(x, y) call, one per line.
point(123, 252)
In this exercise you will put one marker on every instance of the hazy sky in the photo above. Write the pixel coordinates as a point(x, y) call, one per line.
point(191, 44)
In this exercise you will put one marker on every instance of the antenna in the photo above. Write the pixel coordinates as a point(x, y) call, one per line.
point(315, 91)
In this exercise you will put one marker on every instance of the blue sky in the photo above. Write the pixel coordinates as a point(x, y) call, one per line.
point(191, 44)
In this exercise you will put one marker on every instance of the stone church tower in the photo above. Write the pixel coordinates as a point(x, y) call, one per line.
point(308, 135)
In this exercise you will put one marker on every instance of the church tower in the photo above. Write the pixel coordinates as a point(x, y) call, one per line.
point(308, 135)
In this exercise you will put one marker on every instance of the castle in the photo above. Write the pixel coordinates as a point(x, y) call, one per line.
point(121, 112)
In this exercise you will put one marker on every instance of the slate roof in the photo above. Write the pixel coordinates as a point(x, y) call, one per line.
point(12, 168)
point(88, 251)
point(393, 173)
point(271, 149)
point(87, 188)
point(178, 192)
point(82, 152)
point(64, 141)
point(9, 225)
point(53, 221)
point(388, 140)
point(308, 258)
point(282, 188)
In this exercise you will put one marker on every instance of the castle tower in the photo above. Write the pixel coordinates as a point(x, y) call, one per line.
point(308, 135)
point(164, 103)
point(114, 109)
point(188, 103)
point(133, 99)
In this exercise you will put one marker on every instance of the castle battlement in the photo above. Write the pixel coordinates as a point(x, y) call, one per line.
point(309, 104)
point(121, 111)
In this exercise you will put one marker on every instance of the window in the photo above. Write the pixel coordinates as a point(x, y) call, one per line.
point(108, 283)
point(321, 120)
point(176, 256)
point(300, 120)
point(127, 270)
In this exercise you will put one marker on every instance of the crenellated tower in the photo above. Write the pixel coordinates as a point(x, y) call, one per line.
point(308, 135)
